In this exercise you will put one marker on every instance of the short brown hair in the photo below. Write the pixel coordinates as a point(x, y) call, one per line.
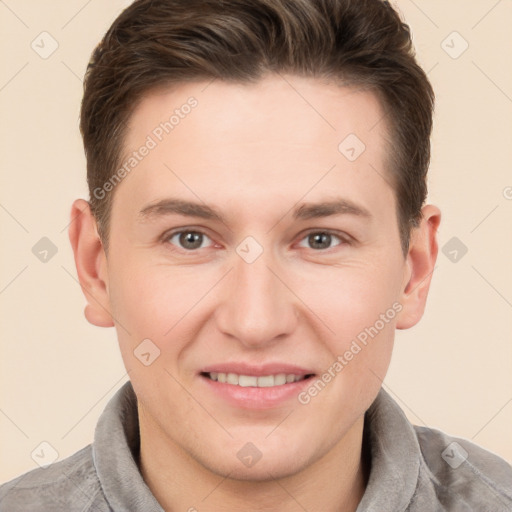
point(155, 43)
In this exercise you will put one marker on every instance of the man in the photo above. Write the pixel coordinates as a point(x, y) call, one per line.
point(256, 232)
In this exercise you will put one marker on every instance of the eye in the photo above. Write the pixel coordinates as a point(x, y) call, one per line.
point(187, 239)
point(321, 240)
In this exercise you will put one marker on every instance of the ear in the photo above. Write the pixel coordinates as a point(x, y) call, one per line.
point(420, 262)
point(91, 264)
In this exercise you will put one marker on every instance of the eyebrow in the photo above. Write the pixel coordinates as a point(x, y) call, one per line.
point(169, 206)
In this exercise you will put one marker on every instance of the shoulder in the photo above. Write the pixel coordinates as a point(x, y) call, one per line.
point(464, 476)
point(68, 485)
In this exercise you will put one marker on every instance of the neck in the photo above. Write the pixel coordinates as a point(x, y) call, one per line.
point(334, 482)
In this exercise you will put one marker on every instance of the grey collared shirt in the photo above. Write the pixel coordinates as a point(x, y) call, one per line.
point(413, 469)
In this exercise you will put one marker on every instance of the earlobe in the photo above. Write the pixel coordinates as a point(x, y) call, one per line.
point(90, 261)
point(421, 259)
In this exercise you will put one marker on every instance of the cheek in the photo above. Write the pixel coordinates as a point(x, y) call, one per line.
point(151, 299)
point(161, 303)
point(149, 305)
point(360, 307)
point(359, 304)
point(351, 298)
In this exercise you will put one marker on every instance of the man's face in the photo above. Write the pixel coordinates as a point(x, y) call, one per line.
point(267, 290)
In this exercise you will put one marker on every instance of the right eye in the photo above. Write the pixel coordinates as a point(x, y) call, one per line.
point(189, 240)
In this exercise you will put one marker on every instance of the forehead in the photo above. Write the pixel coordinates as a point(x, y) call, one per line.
point(284, 108)
point(281, 137)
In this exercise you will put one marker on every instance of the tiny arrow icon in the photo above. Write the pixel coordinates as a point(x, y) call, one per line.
point(351, 151)
point(146, 352)
point(451, 44)
point(44, 250)
point(454, 455)
point(41, 45)
point(248, 459)
point(44, 454)
point(454, 249)
point(249, 249)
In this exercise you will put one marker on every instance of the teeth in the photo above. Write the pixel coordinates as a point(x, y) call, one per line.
point(232, 378)
point(246, 381)
point(264, 381)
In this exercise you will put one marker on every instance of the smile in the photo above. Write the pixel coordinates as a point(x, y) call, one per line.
point(261, 381)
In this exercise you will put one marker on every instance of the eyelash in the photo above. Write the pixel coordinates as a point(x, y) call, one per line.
point(343, 240)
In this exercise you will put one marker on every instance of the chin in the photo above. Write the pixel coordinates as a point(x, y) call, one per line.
point(262, 471)
point(263, 467)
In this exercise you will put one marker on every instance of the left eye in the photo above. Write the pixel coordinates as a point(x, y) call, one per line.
point(320, 240)
point(189, 240)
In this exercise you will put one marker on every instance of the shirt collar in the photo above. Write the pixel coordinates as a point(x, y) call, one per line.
point(390, 439)
point(394, 454)
point(115, 451)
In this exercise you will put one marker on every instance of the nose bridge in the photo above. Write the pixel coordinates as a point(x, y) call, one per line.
point(257, 307)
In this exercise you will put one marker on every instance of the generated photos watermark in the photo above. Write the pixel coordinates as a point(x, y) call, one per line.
point(356, 346)
point(152, 140)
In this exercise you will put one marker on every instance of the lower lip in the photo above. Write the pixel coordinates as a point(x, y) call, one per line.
point(257, 398)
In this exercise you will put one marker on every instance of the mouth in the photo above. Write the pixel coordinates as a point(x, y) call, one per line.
point(256, 381)
point(248, 387)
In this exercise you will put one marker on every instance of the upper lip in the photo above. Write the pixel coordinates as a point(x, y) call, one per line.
point(241, 368)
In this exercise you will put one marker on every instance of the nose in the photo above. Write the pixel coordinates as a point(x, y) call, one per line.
point(258, 308)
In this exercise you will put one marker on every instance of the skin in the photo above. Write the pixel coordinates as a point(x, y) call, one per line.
point(255, 152)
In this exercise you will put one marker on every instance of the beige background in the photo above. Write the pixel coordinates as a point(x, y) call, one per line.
point(452, 372)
